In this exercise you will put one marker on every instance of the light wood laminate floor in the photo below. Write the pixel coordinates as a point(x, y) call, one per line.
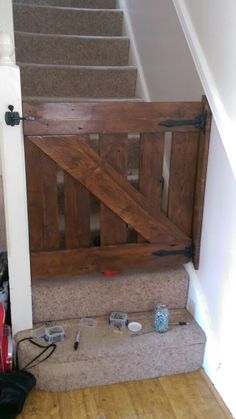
point(184, 396)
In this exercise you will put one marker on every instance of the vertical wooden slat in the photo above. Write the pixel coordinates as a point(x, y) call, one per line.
point(202, 161)
point(150, 170)
point(77, 213)
point(42, 199)
point(183, 164)
point(34, 195)
point(50, 203)
point(114, 149)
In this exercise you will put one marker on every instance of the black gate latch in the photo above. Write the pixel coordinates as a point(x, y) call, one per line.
point(187, 252)
point(14, 118)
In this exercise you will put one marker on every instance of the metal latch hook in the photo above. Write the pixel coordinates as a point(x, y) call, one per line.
point(14, 118)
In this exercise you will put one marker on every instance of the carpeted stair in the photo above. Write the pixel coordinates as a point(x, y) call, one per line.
point(97, 295)
point(73, 50)
point(70, 50)
point(107, 355)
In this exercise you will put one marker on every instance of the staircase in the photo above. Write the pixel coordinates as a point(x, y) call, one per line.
point(72, 51)
point(107, 355)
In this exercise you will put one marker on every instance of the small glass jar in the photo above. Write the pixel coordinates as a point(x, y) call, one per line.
point(161, 318)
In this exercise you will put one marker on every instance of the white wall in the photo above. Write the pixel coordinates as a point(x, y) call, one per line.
point(165, 64)
point(213, 287)
point(209, 27)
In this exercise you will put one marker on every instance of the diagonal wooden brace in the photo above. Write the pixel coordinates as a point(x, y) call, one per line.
point(76, 157)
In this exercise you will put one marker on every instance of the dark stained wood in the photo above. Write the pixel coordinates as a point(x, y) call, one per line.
point(42, 199)
point(202, 161)
point(85, 165)
point(150, 171)
point(113, 149)
point(59, 138)
point(48, 175)
point(183, 164)
point(77, 213)
point(81, 118)
point(34, 194)
point(81, 261)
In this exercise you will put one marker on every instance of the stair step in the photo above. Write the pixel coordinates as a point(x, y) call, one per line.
point(71, 49)
point(55, 80)
point(52, 99)
point(87, 4)
point(97, 295)
point(107, 355)
point(59, 20)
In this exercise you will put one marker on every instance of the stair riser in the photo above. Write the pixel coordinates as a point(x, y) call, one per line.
point(85, 82)
point(43, 49)
point(96, 295)
point(117, 370)
point(87, 4)
point(67, 21)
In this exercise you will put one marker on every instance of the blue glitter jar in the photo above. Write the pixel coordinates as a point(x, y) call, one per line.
point(161, 318)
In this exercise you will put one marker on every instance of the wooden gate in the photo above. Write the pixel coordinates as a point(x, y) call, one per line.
point(98, 196)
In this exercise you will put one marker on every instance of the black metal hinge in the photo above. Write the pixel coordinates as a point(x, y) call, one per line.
point(14, 118)
point(188, 252)
point(198, 122)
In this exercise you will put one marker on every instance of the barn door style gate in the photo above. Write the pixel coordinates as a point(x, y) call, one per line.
point(95, 185)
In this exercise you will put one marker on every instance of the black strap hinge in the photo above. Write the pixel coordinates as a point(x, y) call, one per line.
point(198, 122)
point(14, 118)
point(187, 252)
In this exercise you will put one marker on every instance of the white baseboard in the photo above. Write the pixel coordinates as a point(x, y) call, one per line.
point(215, 368)
point(197, 306)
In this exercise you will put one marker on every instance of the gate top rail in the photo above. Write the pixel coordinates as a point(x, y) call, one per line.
point(105, 118)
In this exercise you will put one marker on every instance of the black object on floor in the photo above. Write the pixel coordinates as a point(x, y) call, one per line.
point(3, 268)
point(14, 387)
point(4, 279)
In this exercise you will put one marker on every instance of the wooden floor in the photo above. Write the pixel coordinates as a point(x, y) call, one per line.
point(185, 396)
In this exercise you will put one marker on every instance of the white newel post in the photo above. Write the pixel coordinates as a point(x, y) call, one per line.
point(14, 185)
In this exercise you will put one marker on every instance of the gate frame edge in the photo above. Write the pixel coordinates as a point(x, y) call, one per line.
point(15, 201)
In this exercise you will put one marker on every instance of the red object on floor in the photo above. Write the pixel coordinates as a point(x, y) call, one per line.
point(110, 273)
point(6, 344)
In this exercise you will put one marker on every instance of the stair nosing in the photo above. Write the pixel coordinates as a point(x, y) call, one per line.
point(52, 99)
point(118, 11)
point(41, 35)
point(175, 312)
point(79, 67)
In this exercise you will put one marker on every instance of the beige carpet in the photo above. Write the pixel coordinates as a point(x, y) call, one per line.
point(107, 355)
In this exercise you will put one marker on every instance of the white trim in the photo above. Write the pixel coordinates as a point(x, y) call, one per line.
point(214, 360)
point(225, 126)
point(15, 201)
point(197, 306)
point(134, 59)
